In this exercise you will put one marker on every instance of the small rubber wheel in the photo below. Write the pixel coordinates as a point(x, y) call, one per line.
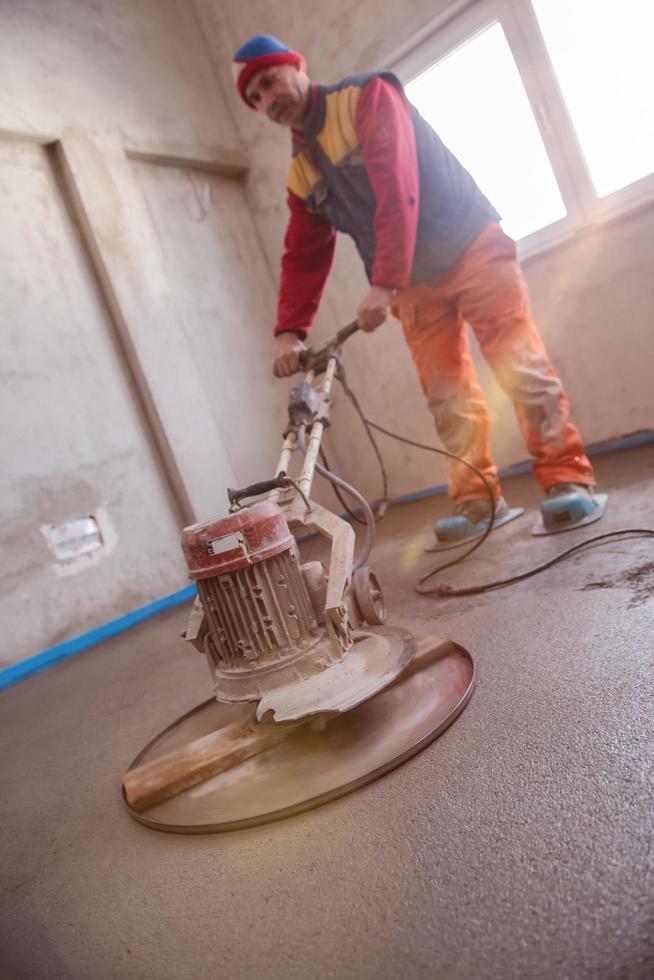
point(369, 596)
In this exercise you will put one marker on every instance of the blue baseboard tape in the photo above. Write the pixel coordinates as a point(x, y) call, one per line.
point(41, 661)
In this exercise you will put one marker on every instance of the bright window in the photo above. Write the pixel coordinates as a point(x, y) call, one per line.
point(548, 103)
point(601, 51)
point(475, 100)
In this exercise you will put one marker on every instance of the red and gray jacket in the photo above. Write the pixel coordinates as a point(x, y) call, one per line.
point(366, 163)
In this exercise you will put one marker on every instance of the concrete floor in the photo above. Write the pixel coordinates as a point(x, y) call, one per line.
point(515, 846)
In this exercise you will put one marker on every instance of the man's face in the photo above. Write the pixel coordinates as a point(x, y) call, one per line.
point(282, 92)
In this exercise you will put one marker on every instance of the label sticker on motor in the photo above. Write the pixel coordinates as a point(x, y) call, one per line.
point(229, 542)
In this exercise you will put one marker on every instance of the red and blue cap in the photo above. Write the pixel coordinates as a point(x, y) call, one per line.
point(258, 53)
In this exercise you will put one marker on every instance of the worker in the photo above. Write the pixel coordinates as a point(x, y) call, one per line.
point(366, 163)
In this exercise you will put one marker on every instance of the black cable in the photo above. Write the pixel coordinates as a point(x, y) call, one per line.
point(448, 591)
point(368, 545)
point(338, 493)
point(342, 378)
point(478, 541)
point(296, 487)
point(369, 425)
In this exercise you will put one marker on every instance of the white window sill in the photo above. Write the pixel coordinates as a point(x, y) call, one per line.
point(549, 239)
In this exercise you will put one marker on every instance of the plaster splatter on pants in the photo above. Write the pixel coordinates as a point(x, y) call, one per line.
point(486, 289)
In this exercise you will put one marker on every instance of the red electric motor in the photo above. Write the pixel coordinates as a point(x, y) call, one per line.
point(258, 617)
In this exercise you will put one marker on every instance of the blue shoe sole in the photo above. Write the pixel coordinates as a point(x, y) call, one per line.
point(569, 512)
point(476, 530)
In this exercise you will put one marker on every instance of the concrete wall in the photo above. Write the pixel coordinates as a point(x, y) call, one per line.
point(134, 290)
point(592, 296)
point(139, 294)
point(74, 440)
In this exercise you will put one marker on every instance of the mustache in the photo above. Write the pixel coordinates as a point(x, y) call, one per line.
point(277, 108)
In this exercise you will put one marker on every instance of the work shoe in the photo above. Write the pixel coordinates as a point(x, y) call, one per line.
point(470, 519)
point(569, 505)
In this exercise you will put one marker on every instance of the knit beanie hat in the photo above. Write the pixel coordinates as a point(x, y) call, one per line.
point(258, 53)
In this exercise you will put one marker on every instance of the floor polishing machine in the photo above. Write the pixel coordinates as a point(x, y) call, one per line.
point(315, 694)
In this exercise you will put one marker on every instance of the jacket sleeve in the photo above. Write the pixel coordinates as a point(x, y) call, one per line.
point(308, 255)
point(385, 131)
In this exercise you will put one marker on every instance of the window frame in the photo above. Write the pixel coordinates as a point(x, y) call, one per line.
point(520, 25)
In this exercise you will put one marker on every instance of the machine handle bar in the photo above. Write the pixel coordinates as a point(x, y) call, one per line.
point(278, 482)
point(315, 358)
point(346, 332)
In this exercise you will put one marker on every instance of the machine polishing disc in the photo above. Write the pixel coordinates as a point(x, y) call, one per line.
point(320, 760)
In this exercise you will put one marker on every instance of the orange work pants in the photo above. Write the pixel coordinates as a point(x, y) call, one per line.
point(486, 289)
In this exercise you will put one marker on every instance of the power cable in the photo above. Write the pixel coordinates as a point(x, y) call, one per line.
point(448, 591)
point(362, 557)
point(339, 496)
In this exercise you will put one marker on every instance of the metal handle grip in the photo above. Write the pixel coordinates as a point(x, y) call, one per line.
point(346, 332)
point(315, 358)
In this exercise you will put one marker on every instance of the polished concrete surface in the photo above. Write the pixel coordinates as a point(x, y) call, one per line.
point(518, 845)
